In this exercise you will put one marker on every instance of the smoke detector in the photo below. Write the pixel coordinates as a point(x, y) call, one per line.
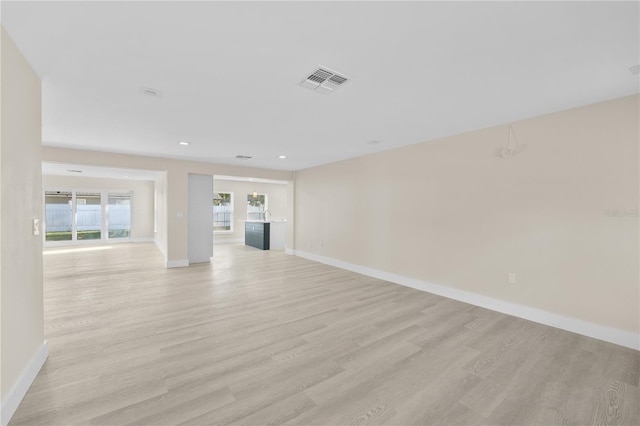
point(324, 80)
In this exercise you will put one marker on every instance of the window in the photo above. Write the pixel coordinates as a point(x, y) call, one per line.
point(74, 216)
point(256, 206)
point(119, 215)
point(223, 212)
point(89, 215)
point(58, 215)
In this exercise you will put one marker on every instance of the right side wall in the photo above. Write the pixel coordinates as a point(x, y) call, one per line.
point(562, 214)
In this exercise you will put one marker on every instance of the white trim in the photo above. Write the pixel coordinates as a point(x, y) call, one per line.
point(17, 392)
point(232, 213)
point(229, 241)
point(180, 263)
point(597, 331)
point(249, 179)
point(291, 252)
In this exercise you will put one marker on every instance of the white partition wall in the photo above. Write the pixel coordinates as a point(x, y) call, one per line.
point(200, 218)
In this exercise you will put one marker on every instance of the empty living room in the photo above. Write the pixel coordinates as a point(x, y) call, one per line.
point(319, 213)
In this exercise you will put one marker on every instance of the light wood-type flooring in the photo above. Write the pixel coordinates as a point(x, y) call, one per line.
point(260, 337)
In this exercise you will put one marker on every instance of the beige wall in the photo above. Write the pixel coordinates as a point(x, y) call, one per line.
point(22, 332)
point(176, 184)
point(451, 212)
point(276, 203)
point(142, 198)
point(160, 231)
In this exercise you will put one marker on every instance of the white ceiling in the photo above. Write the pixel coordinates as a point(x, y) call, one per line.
point(75, 170)
point(229, 72)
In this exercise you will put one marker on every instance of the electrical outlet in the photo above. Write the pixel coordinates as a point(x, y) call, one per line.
point(511, 278)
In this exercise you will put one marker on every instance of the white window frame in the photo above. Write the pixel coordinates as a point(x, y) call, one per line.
point(104, 215)
point(231, 215)
point(266, 202)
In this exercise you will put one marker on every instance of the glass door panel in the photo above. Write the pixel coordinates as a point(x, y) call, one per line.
point(119, 215)
point(58, 215)
point(88, 215)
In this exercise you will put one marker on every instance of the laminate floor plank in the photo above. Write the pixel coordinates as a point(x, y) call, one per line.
point(259, 337)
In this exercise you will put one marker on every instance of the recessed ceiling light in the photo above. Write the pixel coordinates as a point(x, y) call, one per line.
point(282, 157)
point(184, 143)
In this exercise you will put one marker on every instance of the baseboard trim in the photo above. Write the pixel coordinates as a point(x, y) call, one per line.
point(290, 252)
point(585, 328)
point(180, 263)
point(15, 395)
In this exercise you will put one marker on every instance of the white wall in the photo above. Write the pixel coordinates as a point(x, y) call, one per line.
point(141, 204)
point(160, 206)
point(23, 349)
point(277, 204)
point(200, 218)
point(451, 212)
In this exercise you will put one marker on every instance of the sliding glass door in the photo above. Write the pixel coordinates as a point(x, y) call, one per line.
point(58, 208)
point(75, 216)
point(89, 215)
point(119, 215)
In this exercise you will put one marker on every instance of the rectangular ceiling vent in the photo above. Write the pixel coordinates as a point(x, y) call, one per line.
point(324, 80)
point(148, 91)
point(244, 157)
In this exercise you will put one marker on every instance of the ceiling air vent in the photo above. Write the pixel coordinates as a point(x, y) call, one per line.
point(154, 93)
point(244, 157)
point(324, 80)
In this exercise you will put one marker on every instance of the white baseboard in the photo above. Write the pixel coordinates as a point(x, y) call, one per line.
point(180, 263)
point(12, 400)
point(229, 241)
point(291, 252)
point(597, 331)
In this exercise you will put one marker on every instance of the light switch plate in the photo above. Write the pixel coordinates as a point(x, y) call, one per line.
point(36, 226)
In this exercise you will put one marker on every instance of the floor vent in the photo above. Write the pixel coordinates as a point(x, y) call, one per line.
point(324, 80)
